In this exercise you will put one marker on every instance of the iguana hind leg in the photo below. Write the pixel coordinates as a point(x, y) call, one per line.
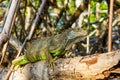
point(49, 59)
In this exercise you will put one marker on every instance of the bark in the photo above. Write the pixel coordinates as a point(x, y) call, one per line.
point(15, 42)
point(92, 67)
point(4, 36)
point(3, 39)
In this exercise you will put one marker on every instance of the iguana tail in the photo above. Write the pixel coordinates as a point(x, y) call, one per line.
point(20, 60)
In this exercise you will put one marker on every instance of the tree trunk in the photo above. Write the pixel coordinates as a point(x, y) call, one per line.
point(89, 67)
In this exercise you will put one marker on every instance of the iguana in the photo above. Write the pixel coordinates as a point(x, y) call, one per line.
point(47, 48)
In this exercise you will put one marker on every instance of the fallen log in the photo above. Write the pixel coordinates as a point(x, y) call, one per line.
point(89, 67)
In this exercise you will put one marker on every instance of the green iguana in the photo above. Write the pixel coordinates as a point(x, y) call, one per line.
point(47, 48)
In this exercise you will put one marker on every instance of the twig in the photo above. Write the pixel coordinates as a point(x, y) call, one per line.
point(8, 25)
point(97, 17)
point(96, 21)
point(36, 19)
point(110, 26)
point(97, 10)
point(15, 8)
point(27, 20)
point(5, 45)
point(88, 38)
point(6, 13)
point(4, 52)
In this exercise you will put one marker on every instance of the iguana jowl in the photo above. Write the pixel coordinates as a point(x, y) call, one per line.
point(51, 46)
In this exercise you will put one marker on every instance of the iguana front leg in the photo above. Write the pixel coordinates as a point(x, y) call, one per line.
point(49, 59)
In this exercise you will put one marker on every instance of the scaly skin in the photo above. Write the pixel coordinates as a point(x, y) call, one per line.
point(45, 49)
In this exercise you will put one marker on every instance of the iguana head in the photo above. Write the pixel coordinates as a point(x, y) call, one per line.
point(76, 33)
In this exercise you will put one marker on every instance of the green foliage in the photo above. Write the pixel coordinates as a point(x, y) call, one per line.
point(71, 7)
point(36, 3)
point(28, 2)
point(103, 15)
point(60, 3)
point(2, 11)
point(103, 6)
point(92, 17)
point(93, 5)
point(51, 10)
point(5, 3)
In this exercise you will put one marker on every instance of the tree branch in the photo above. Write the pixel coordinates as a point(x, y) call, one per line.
point(92, 67)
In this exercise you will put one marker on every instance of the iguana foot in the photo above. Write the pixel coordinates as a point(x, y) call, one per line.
point(51, 62)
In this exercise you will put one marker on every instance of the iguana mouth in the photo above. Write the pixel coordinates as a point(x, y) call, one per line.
point(76, 33)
